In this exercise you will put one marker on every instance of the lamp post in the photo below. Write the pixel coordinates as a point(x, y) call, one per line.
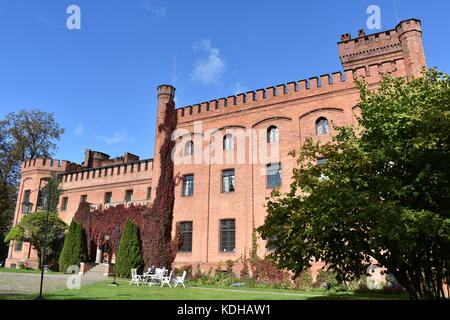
point(43, 248)
point(26, 205)
point(114, 283)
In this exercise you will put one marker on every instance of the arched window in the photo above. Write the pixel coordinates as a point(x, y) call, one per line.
point(272, 134)
point(322, 126)
point(189, 148)
point(228, 142)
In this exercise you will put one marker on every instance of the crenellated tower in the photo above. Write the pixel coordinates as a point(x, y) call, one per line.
point(402, 45)
point(165, 94)
point(410, 35)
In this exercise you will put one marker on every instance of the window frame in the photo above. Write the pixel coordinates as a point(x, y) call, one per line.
point(183, 194)
point(64, 203)
point(83, 198)
point(190, 234)
point(189, 148)
point(230, 239)
point(18, 245)
point(268, 166)
point(326, 128)
point(233, 180)
point(127, 192)
point(228, 142)
point(276, 136)
point(110, 197)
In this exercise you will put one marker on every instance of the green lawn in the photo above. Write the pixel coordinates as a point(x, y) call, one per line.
point(13, 270)
point(101, 291)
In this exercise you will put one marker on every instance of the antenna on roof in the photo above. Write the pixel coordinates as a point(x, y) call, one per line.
point(396, 10)
point(174, 68)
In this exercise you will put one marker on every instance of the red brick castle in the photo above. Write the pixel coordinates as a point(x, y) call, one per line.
point(220, 199)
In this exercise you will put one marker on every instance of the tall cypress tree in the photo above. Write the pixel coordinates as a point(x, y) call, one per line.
point(129, 254)
point(74, 248)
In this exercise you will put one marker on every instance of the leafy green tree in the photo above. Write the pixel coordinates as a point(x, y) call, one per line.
point(74, 248)
point(7, 192)
point(129, 254)
point(383, 193)
point(31, 228)
point(24, 135)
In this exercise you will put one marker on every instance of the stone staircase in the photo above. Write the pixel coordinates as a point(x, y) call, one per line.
point(96, 272)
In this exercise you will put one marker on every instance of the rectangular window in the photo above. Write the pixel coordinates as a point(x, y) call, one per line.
point(129, 195)
point(18, 245)
point(41, 199)
point(26, 199)
point(186, 236)
point(271, 247)
point(108, 196)
point(273, 175)
point(83, 198)
point(228, 180)
point(149, 193)
point(64, 203)
point(228, 235)
point(188, 185)
point(26, 195)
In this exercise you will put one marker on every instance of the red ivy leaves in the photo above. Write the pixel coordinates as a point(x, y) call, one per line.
point(154, 223)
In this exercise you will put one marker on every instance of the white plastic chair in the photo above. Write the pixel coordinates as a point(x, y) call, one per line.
point(180, 280)
point(135, 278)
point(166, 280)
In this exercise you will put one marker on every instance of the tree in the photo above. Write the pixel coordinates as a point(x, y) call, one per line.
point(52, 189)
point(31, 229)
point(7, 193)
point(129, 254)
point(32, 133)
point(74, 249)
point(23, 135)
point(383, 193)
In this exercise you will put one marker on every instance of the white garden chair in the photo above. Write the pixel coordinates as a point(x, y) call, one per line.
point(165, 280)
point(135, 278)
point(180, 280)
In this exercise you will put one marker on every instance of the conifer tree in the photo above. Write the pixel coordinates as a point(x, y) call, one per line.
point(129, 254)
point(73, 251)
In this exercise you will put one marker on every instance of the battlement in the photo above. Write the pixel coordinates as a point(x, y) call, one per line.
point(367, 49)
point(166, 89)
point(107, 171)
point(50, 165)
point(408, 25)
point(378, 47)
point(398, 51)
point(323, 84)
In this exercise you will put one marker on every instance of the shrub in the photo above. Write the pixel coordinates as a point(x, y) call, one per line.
point(304, 281)
point(179, 271)
point(73, 251)
point(327, 280)
point(129, 254)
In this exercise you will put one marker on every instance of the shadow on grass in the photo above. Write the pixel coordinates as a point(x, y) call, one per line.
point(359, 296)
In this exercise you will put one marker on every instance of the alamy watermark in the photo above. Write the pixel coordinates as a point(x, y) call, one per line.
point(231, 145)
point(74, 280)
point(73, 22)
point(374, 20)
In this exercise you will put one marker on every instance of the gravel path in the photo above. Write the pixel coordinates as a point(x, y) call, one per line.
point(28, 283)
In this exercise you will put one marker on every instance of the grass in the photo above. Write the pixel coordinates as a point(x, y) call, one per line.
point(13, 270)
point(101, 291)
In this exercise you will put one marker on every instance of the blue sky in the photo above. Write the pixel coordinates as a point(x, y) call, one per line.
point(100, 81)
